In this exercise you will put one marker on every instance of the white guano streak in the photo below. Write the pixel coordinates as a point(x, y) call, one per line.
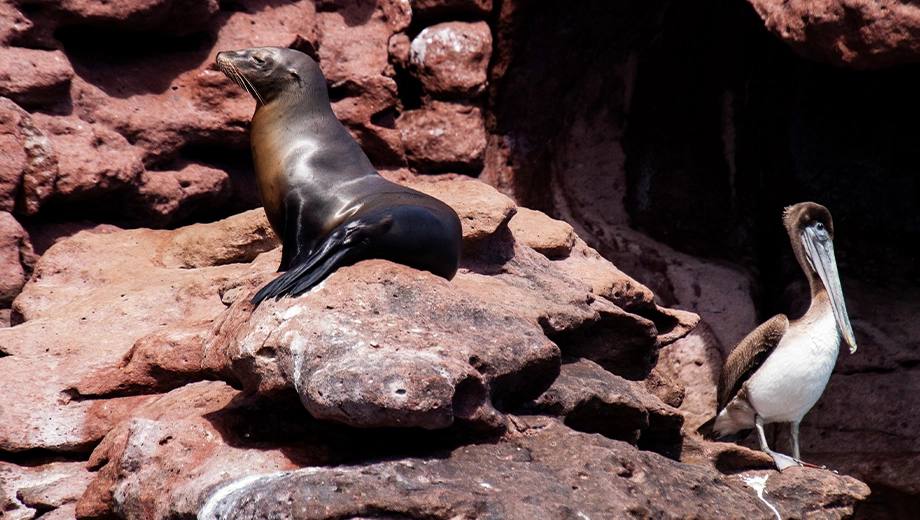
point(759, 484)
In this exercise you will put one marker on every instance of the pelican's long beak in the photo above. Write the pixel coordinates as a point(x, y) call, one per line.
point(821, 255)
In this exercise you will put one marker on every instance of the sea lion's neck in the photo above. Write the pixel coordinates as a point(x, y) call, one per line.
point(302, 111)
point(294, 120)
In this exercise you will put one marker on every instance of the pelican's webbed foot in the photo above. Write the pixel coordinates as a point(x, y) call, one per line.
point(781, 460)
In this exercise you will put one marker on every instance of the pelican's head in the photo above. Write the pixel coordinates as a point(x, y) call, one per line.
point(811, 231)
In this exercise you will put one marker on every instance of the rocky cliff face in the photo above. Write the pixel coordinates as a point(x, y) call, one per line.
point(508, 392)
point(135, 380)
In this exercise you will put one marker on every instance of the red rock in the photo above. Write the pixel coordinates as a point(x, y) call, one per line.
point(168, 197)
point(12, 24)
point(233, 240)
point(443, 136)
point(158, 362)
point(586, 264)
point(623, 343)
point(65, 512)
point(695, 361)
point(664, 387)
point(883, 432)
point(545, 471)
point(592, 400)
point(356, 36)
point(100, 304)
point(368, 112)
point(164, 103)
point(719, 294)
point(204, 449)
point(167, 446)
point(29, 170)
point(371, 347)
point(14, 159)
point(41, 489)
point(175, 18)
point(483, 211)
point(855, 33)
point(133, 120)
point(15, 253)
point(549, 237)
point(43, 235)
point(450, 59)
point(426, 9)
point(145, 311)
point(13, 153)
point(91, 159)
point(399, 48)
point(34, 77)
point(543, 295)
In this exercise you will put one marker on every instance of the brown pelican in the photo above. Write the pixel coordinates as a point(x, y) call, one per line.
point(778, 372)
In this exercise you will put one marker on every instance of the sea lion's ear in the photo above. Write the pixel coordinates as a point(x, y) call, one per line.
point(294, 75)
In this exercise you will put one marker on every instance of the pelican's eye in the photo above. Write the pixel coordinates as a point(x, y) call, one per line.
point(819, 226)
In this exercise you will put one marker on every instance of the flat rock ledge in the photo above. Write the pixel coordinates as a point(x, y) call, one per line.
point(520, 389)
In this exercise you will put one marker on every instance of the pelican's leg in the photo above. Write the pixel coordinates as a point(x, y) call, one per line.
point(794, 430)
point(782, 461)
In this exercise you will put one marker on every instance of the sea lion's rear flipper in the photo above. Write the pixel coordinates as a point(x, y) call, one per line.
point(346, 245)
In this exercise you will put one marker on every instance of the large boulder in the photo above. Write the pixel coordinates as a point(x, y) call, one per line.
point(854, 33)
point(450, 59)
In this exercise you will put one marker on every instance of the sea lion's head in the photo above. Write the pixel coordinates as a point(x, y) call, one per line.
point(270, 72)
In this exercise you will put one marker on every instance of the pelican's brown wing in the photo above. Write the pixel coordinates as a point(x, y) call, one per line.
point(749, 355)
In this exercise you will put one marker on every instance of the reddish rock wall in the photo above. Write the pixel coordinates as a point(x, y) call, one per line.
point(668, 136)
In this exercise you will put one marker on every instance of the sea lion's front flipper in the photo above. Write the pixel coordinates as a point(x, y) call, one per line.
point(346, 245)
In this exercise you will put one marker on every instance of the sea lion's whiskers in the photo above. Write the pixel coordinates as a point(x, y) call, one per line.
point(251, 88)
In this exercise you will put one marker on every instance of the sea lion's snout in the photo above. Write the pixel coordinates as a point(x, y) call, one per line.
point(236, 66)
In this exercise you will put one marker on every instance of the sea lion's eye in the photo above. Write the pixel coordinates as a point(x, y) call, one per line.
point(258, 60)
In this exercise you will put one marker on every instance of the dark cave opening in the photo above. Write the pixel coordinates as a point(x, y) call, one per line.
point(712, 126)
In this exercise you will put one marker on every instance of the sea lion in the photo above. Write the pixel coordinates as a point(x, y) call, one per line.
point(321, 193)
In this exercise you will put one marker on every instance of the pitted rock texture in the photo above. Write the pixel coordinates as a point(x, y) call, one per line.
point(380, 344)
point(425, 9)
point(176, 446)
point(444, 136)
point(55, 486)
point(377, 344)
point(546, 471)
point(16, 258)
point(326, 377)
point(33, 77)
point(450, 59)
point(695, 362)
point(854, 33)
point(590, 399)
point(30, 169)
point(207, 450)
point(90, 298)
